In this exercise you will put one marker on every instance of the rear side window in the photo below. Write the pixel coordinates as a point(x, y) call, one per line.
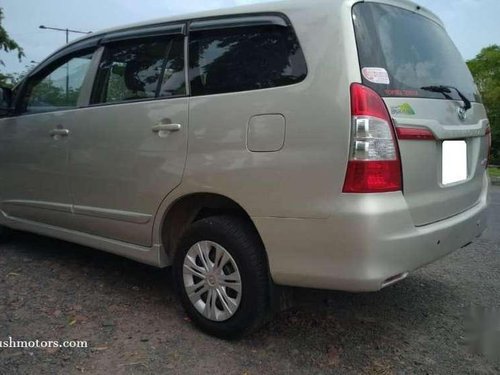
point(141, 69)
point(244, 58)
point(402, 51)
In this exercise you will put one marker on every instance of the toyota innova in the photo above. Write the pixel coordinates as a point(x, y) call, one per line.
point(333, 144)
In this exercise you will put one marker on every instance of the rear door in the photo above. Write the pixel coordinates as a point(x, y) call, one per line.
point(128, 148)
point(444, 149)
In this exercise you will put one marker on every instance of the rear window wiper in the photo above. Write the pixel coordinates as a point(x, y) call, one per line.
point(445, 90)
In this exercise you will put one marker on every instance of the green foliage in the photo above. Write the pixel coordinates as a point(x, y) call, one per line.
point(46, 93)
point(494, 172)
point(486, 71)
point(6, 80)
point(116, 90)
point(7, 44)
point(10, 80)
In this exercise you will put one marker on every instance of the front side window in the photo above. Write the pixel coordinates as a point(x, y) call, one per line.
point(244, 58)
point(141, 69)
point(59, 89)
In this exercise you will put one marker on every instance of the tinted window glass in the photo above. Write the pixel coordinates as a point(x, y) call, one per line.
point(174, 76)
point(414, 50)
point(141, 69)
point(59, 89)
point(248, 58)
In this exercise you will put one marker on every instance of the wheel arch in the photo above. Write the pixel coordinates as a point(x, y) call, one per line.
point(192, 207)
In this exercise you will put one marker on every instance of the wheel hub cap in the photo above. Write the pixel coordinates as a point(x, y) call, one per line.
point(212, 281)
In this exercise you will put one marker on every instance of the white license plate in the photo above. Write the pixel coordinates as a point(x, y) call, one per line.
point(454, 162)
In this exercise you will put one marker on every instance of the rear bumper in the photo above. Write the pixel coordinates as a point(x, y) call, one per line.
point(368, 240)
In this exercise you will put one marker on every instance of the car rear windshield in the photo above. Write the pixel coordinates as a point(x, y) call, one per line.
point(401, 51)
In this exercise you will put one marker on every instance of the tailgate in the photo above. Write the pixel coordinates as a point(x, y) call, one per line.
point(404, 52)
point(429, 195)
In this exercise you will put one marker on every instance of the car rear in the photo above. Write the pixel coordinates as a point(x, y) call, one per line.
point(405, 57)
point(418, 129)
point(415, 185)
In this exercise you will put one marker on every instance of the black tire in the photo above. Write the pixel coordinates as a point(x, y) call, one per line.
point(240, 239)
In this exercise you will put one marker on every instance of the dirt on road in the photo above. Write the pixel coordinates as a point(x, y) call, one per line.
point(128, 313)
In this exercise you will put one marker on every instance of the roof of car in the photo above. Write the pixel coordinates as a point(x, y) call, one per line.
point(266, 6)
point(261, 7)
point(283, 6)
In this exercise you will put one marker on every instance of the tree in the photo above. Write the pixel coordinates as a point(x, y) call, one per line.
point(7, 44)
point(485, 68)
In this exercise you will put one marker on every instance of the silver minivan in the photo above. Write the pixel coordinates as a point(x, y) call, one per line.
point(333, 144)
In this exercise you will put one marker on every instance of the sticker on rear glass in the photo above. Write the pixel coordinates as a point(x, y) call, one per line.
point(377, 75)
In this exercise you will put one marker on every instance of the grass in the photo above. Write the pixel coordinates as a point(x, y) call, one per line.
point(494, 172)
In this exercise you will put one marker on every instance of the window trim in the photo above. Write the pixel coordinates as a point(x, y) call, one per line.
point(88, 84)
point(227, 22)
point(164, 65)
point(151, 31)
point(72, 49)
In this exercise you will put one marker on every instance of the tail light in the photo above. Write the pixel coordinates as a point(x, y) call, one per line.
point(414, 134)
point(488, 134)
point(374, 163)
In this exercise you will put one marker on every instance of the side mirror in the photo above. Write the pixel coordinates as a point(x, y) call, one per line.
point(5, 101)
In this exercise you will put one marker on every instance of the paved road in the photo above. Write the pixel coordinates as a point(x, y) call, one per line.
point(55, 290)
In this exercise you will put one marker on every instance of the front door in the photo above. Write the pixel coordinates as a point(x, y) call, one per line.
point(128, 148)
point(34, 143)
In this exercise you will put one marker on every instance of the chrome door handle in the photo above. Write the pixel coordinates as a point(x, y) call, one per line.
point(59, 132)
point(167, 128)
